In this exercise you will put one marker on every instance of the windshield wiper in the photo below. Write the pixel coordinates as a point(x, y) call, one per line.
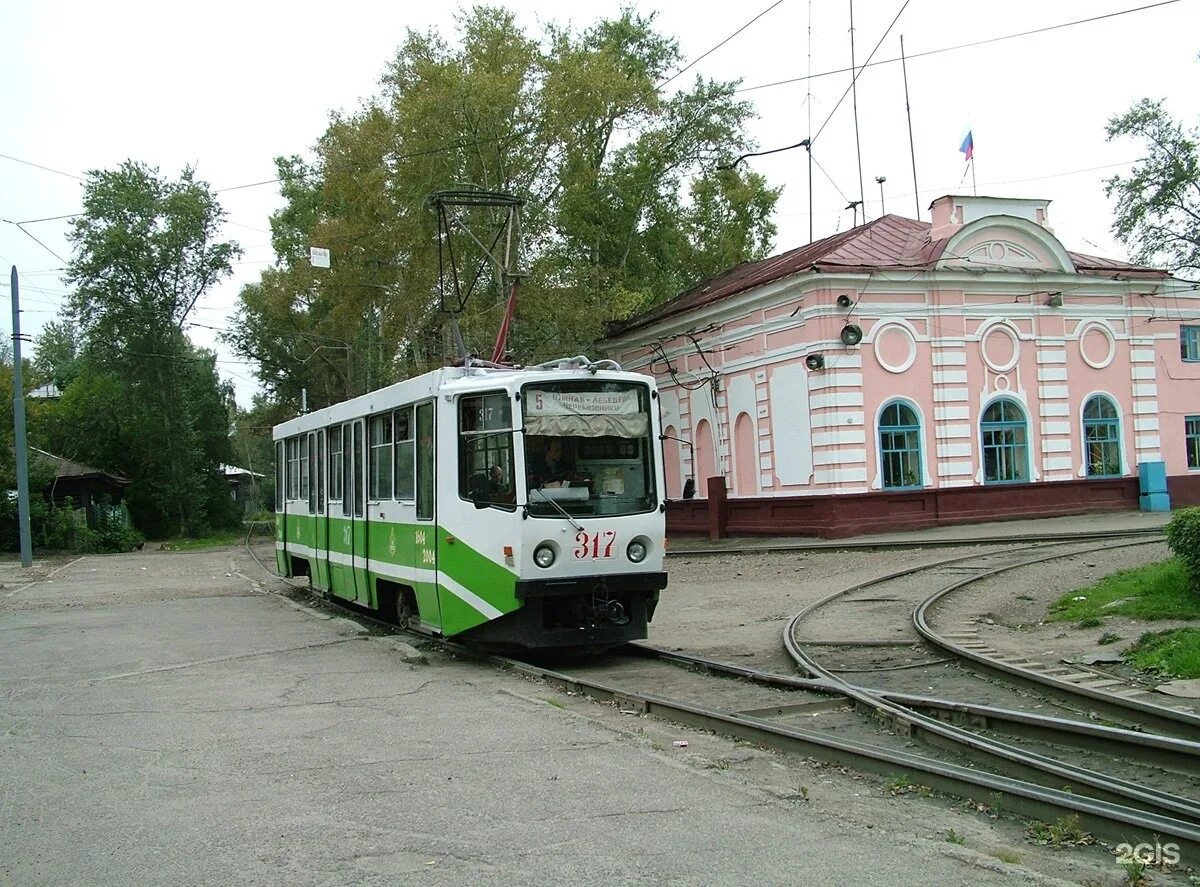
point(578, 526)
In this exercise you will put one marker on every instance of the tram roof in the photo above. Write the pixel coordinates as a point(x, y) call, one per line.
point(445, 380)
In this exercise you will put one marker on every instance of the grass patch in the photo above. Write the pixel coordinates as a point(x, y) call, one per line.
point(1168, 654)
point(213, 540)
point(1153, 591)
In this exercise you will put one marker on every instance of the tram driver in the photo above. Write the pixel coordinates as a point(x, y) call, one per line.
point(554, 468)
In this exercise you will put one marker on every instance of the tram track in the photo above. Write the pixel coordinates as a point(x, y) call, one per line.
point(1114, 809)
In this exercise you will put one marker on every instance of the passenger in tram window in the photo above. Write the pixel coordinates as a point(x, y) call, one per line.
point(499, 489)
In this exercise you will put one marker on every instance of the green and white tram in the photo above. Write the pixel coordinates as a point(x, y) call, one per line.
point(512, 507)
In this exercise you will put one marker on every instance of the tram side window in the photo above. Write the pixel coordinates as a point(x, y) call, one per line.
point(320, 463)
point(335, 464)
point(485, 463)
point(280, 467)
point(381, 457)
point(358, 469)
point(293, 468)
point(426, 463)
point(310, 439)
point(303, 492)
point(405, 452)
point(347, 470)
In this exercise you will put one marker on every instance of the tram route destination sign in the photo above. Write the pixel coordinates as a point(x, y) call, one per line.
point(582, 403)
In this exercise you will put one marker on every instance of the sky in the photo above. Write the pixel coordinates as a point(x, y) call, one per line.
point(226, 87)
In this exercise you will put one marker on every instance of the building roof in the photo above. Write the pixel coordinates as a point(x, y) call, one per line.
point(64, 467)
point(889, 243)
point(49, 391)
point(234, 471)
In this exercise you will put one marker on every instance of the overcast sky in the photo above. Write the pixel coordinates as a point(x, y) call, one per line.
point(227, 86)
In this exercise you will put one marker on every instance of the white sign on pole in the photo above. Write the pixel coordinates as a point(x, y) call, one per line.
point(319, 256)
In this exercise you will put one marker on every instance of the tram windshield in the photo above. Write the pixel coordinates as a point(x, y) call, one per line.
point(588, 448)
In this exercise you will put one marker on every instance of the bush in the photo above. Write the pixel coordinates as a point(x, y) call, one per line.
point(1183, 536)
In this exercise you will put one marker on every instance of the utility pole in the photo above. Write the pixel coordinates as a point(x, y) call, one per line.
point(19, 429)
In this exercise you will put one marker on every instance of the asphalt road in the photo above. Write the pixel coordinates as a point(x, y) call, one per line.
point(164, 720)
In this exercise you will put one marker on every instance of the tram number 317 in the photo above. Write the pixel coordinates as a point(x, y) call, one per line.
point(596, 546)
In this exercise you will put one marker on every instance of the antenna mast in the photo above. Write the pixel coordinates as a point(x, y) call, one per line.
point(911, 148)
point(854, 99)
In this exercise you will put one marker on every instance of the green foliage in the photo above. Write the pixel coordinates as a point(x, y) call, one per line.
point(624, 205)
point(1183, 537)
point(64, 527)
point(140, 400)
point(1168, 654)
point(1158, 203)
point(1152, 591)
point(58, 350)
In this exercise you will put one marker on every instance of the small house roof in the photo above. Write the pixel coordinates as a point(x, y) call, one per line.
point(64, 467)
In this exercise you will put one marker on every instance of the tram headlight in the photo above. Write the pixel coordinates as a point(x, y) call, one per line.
point(637, 550)
point(543, 556)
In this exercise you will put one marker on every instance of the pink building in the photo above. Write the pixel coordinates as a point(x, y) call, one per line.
point(905, 373)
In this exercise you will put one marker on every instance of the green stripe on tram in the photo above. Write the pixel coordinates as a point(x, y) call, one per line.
point(400, 544)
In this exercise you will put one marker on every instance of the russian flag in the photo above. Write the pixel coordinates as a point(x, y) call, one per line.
point(968, 146)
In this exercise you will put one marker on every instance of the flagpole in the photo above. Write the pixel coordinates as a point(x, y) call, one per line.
point(974, 190)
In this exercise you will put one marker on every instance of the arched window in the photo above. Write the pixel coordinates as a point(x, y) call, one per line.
point(1101, 437)
point(745, 454)
point(900, 446)
point(1005, 443)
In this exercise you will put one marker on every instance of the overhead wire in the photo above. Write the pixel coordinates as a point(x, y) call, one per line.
point(958, 46)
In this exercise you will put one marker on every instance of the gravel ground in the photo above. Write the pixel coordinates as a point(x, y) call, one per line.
point(735, 607)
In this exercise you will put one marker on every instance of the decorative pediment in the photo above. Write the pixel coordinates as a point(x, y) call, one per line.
point(995, 243)
point(1003, 252)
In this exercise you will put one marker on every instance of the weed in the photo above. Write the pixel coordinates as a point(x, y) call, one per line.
point(1109, 637)
point(953, 837)
point(997, 805)
point(1066, 832)
point(1135, 872)
point(718, 764)
point(1012, 857)
point(1089, 622)
point(555, 703)
point(902, 785)
point(657, 746)
point(804, 792)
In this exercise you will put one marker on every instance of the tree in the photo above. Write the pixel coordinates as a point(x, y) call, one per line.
point(623, 207)
point(1158, 203)
point(149, 405)
point(57, 355)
